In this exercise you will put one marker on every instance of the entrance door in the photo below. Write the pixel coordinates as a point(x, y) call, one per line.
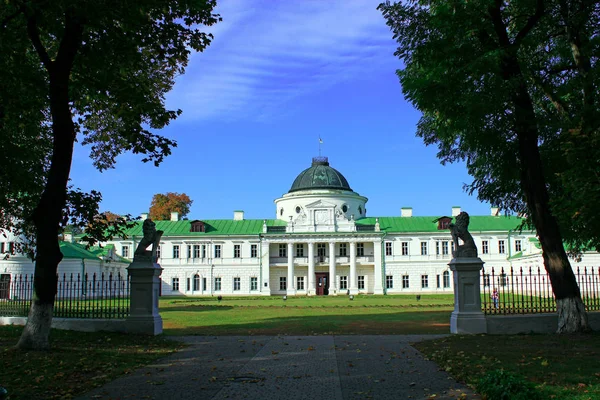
point(322, 279)
point(4, 286)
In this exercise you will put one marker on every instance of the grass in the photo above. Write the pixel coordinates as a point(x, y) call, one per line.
point(561, 366)
point(307, 315)
point(77, 362)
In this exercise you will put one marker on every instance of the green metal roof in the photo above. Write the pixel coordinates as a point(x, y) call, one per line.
point(212, 226)
point(429, 224)
point(74, 250)
point(320, 176)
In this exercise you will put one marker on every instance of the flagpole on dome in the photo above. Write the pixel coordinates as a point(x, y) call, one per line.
point(320, 143)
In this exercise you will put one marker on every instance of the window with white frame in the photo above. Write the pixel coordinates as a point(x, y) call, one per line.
point(217, 284)
point(517, 245)
point(437, 281)
point(486, 280)
point(188, 285)
point(175, 284)
point(361, 282)
point(196, 251)
point(217, 251)
point(158, 251)
point(300, 283)
point(282, 283)
point(189, 251)
point(360, 249)
point(2, 247)
point(253, 283)
point(405, 282)
point(388, 248)
point(389, 281)
point(282, 250)
point(343, 249)
point(237, 283)
point(299, 250)
point(437, 248)
point(343, 282)
point(196, 285)
point(321, 249)
point(404, 248)
point(445, 248)
point(424, 281)
point(253, 250)
point(501, 249)
point(446, 278)
point(423, 248)
point(203, 251)
point(237, 250)
point(175, 251)
point(204, 284)
point(124, 251)
point(485, 247)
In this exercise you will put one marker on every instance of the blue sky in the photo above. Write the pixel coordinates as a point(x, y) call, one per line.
point(278, 75)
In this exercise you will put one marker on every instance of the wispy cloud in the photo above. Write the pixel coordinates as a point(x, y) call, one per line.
point(266, 53)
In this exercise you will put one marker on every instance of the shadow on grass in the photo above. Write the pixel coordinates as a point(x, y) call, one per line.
point(194, 308)
point(401, 323)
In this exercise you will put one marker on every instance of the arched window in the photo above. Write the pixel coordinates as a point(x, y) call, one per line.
point(196, 286)
point(446, 279)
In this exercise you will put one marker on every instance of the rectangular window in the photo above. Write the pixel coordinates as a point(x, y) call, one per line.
point(517, 245)
point(204, 284)
point(282, 250)
point(189, 251)
point(423, 248)
point(217, 251)
point(343, 282)
point(437, 248)
point(300, 283)
point(486, 280)
point(175, 251)
point(321, 249)
point(237, 250)
point(236, 283)
point(404, 248)
point(503, 280)
point(446, 279)
point(158, 252)
point(445, 248)
point(124, 251)
point(343, 249)
point(360, 249)
point(196, 282)
point(299, 250)
point(11, 247)
point(2, 246)
point(217, 284)
point(501, 246)
point(389, 281)
point(437, 281)
point(253, 283)
point(405, 282)
point(282, 283)
point(388, 248)
point(424, 281)
point(203, 251)
point(196, 251)
point(253, 250)
point(187, 284)
point(361, 282)
point(175, 284)
point(485, 247)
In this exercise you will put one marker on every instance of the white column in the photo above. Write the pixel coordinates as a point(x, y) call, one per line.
point(332, 279)
point(311, 269)
point(266, 269)
point(377, 264)
point(291, 290)
point(353, 282)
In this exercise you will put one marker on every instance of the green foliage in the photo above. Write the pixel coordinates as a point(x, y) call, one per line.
point(503, 385)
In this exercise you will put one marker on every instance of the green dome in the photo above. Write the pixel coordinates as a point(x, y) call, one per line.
point(320, 176)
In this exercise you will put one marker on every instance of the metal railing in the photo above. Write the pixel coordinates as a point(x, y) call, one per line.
point(529, 291)
point(77, 296)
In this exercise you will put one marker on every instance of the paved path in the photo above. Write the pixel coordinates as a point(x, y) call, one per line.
point(289, 367)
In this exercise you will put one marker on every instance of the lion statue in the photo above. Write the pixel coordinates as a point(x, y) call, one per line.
point(459, 230)
point(151, 237)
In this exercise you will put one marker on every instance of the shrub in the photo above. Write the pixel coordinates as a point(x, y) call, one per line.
point(503, 385)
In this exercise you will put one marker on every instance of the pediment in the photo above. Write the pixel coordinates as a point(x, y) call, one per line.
point(320, 204)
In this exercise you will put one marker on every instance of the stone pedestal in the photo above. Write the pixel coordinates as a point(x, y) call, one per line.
point(144, 289)
point(467, 317)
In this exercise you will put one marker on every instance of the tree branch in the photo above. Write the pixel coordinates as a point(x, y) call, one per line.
point(531, 22)
point(558, 104)
point(34, 35)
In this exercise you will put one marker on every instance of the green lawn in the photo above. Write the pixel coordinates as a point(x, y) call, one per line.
point(306, 315)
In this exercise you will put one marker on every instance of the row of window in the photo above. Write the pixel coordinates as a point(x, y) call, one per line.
point(199, 251)
point(443, 247)
point(444, 281)
point(300, 282)
point(193, 284)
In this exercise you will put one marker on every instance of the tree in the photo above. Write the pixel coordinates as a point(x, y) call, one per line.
point(163, 204)
point(95, 68)
point(510, 88)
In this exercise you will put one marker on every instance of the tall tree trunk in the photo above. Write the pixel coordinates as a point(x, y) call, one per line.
point(48, 213)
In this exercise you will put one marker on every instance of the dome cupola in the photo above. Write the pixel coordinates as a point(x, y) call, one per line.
point(320, 176)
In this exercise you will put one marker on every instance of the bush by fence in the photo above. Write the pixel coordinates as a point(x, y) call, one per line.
point(77, 296)
point(528, 290)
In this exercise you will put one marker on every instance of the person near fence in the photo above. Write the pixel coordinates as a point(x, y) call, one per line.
point(495, 298)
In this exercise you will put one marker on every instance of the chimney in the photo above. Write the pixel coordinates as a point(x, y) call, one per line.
point(455, 210)
point(144, 216)
point(238, 215)
point(494, 211)
point(406, 211)
point(174, 216)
